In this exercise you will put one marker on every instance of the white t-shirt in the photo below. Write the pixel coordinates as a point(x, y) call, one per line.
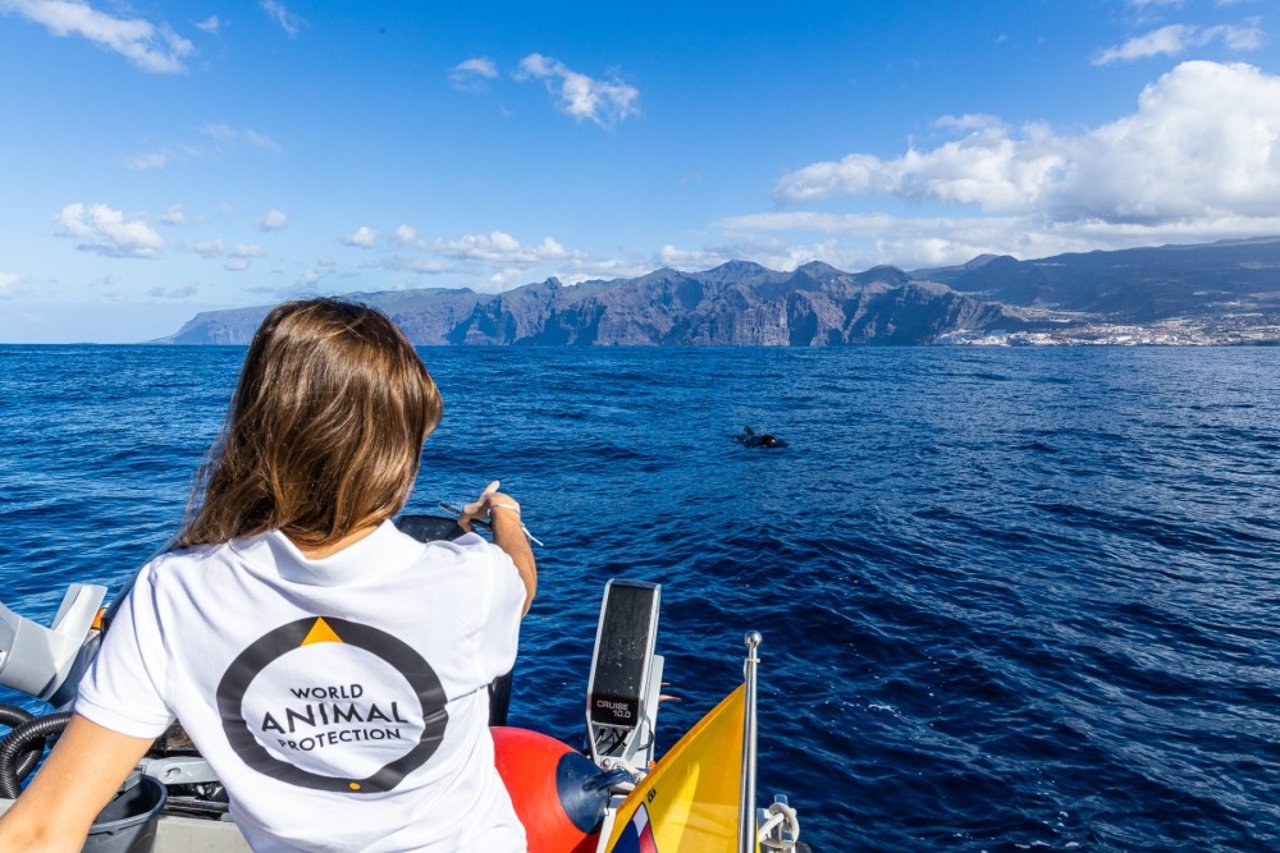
point(342, 701)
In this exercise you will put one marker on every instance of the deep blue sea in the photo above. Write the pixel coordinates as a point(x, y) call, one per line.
point(1011, 599)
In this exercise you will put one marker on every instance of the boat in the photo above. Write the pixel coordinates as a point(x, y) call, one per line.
point(613, 796)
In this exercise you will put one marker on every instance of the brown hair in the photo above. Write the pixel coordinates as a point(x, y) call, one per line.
point(324, 432)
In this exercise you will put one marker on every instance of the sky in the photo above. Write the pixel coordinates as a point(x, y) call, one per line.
point(162, 158)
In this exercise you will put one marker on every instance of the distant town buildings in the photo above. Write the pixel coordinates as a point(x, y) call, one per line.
point(1234, 330)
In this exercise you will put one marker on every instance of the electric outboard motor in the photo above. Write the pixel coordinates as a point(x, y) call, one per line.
point(626, 675)
point(39, 661)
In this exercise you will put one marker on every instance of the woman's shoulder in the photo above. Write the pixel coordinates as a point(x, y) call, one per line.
point(173, 563)
point(469, 550)
point(467, 544)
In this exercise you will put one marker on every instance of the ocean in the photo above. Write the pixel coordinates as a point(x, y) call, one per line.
point(1011, 598)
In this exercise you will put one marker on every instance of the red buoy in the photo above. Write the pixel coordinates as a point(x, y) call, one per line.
point(554, 789)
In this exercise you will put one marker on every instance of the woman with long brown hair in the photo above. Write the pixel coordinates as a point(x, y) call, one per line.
point(332, 670)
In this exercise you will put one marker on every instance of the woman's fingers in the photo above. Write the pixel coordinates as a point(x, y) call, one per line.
point(479, 508)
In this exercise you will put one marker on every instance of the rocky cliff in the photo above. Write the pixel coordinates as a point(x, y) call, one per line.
point(736, 304)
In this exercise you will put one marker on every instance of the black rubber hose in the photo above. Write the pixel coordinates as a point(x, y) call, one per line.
point(28, 760)
point(18, 743)
point(13, 716)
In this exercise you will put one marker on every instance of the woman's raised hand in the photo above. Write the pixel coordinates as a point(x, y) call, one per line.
point(509, 533)
point(490, 498)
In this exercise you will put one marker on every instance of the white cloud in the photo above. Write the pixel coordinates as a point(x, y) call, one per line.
point(499, 247)
point(758, 245)
point(689, 259)
point(1194, 162)
point(1178, 38)
point(260, 140)
point(1200, 145)
point(859, 241)
point(606, 102)
point(8, 281)
point(175, 215)
point(235, 258)
point(288, 21)
point(1249, 36)
point(987, 167)
point(185, 291)
point(309, 278)
point(550, 248)
point(106, 231)
point(428, 266)
point(208, 248)
point(216, 141)
point(153, 48)
point(481, 65)
point(364, 237)
point(211, 25)
point(148, 162)
point(970, 121)
point(472, 75)
point(273, 220)
point(496, 256)
point(628, 266)
point(232, 137)
point(853, 242)
point(406, 236)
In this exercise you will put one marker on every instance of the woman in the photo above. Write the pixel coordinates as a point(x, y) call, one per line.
point(332, 670)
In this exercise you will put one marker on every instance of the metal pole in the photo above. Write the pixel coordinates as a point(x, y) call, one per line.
point(747, 804)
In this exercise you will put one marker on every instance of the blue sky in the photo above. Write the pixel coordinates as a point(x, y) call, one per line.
point(160, 158)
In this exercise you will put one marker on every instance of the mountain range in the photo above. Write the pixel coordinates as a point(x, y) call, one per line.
point(744, 304)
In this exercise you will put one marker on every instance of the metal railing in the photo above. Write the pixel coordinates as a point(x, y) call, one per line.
point(747, 805)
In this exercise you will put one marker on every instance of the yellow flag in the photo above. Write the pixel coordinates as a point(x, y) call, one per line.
point(689, 802)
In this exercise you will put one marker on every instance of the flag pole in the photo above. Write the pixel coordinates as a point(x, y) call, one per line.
point(747, 803)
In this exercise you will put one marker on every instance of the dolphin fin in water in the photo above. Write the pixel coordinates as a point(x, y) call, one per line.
point(749, 438)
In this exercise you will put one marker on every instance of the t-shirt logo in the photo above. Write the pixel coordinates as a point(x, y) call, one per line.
point(326, 703)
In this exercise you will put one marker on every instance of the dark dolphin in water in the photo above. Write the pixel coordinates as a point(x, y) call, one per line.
point(750, 438)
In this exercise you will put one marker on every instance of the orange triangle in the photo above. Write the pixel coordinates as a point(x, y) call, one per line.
point(321, 633)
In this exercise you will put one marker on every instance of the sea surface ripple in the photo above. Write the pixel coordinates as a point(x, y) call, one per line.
point(1011, 599)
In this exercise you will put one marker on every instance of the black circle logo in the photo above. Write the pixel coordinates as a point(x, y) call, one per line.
point(421, 678)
